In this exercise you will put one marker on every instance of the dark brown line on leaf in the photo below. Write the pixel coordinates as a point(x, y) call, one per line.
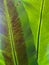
point(39, 28)
point(20, 47)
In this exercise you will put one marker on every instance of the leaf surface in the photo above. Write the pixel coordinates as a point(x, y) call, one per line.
point(24, 32)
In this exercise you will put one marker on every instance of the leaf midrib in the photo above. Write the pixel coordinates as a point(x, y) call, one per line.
point(39, 29)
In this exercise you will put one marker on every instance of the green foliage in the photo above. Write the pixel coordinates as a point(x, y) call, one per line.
point(24, 32)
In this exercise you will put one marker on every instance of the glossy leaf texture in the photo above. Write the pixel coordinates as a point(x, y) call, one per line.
point(38, 13)
point(24, 32)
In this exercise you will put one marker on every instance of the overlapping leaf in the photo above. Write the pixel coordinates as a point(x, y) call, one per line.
point(24, 32)
point(17, 41)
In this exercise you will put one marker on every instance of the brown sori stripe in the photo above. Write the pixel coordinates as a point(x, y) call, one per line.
point(17, 34)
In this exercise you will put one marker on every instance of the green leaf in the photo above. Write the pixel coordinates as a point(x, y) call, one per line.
point(39, 23)
point(6, 37)
point(24, 32)
point(44, 36)
point(16, 45)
